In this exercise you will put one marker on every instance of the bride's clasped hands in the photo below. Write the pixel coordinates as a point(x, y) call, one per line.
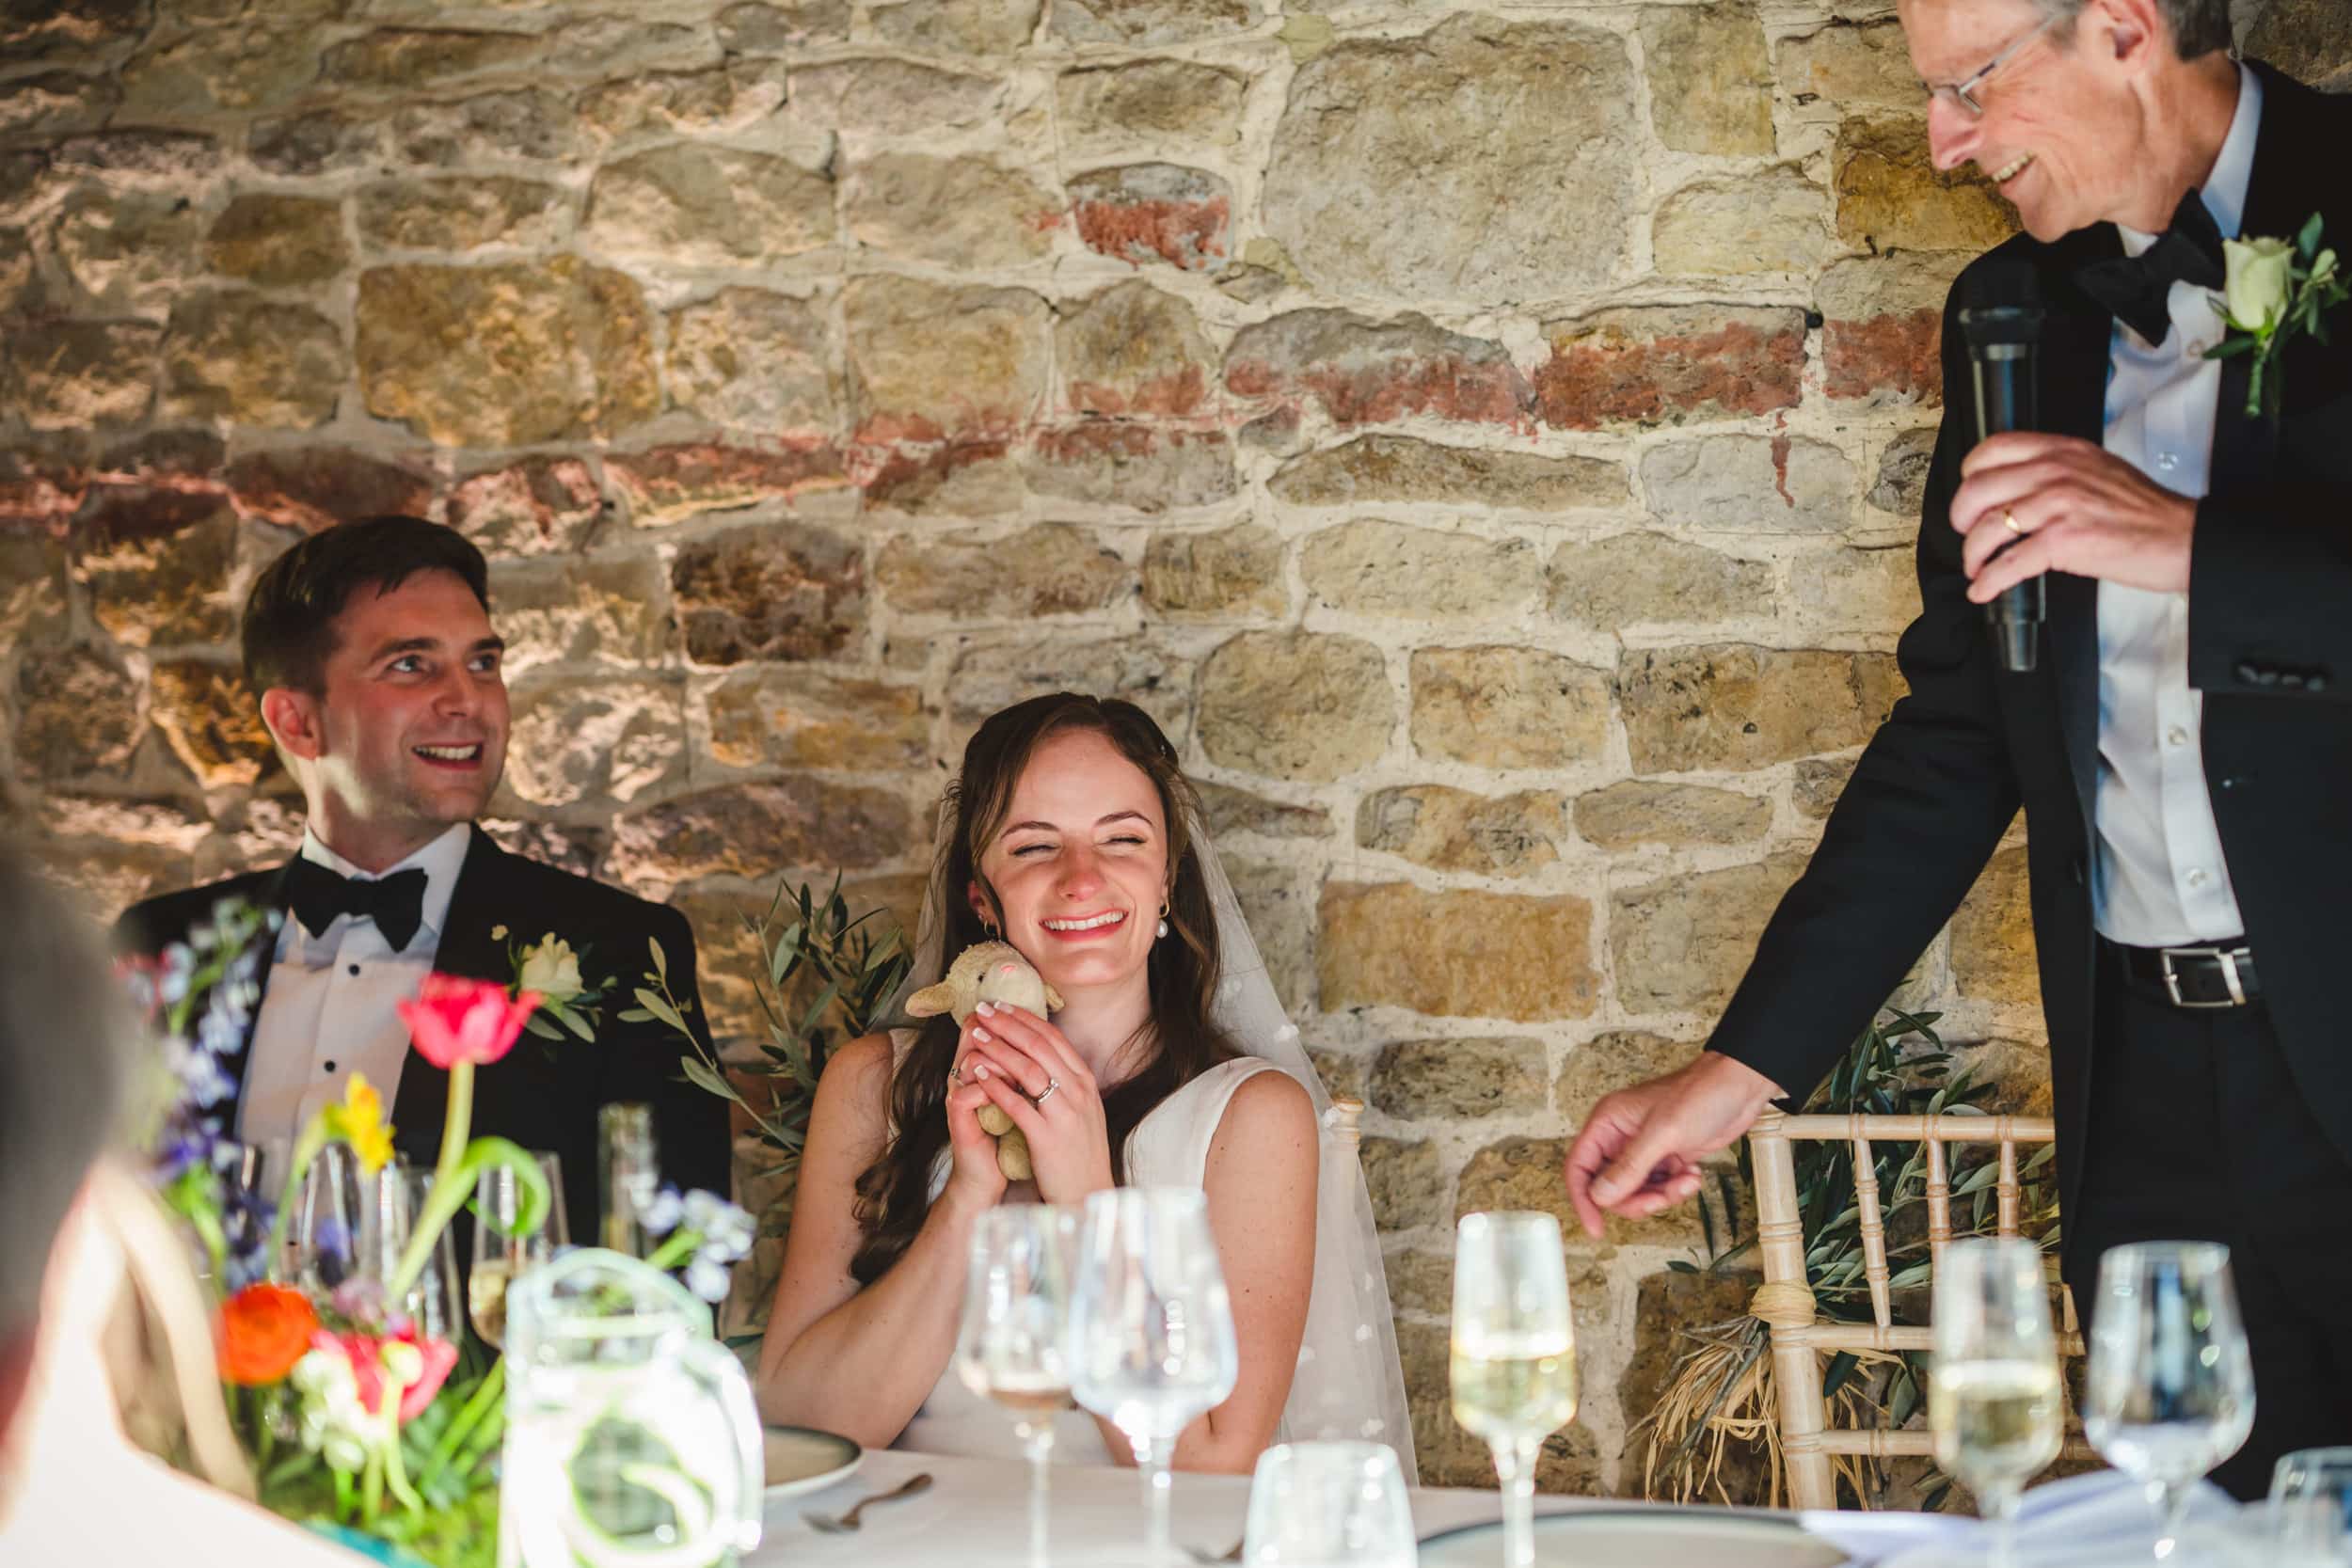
point(1018, 1062)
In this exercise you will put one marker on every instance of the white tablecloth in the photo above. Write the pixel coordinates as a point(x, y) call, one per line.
point(977, 1516)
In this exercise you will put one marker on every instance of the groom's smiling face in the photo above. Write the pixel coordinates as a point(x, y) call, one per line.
point(413, 717)
point(1080, 865)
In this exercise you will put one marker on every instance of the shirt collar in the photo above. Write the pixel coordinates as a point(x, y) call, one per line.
point(2232, 171)
point(440, 861)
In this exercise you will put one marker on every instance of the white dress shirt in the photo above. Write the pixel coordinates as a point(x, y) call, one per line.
point(330, 1010)
point(2160, 880)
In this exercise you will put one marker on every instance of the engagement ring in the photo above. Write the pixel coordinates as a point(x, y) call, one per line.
point(1051, 1085)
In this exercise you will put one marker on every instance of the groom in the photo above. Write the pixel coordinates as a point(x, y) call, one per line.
point(2184, 754)
point(371, 647)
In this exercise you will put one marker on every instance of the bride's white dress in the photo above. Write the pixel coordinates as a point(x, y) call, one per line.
point(1169, 1148)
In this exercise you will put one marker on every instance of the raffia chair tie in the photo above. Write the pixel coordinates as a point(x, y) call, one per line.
point(1783, 1304)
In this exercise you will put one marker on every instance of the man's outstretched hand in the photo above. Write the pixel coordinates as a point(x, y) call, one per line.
point(1638, 1151)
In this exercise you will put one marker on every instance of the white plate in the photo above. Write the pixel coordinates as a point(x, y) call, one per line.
point(802, 1458)
point(1642, 1538)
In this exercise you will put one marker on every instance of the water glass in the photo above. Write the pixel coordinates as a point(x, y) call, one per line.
point(1993, 1400)
point(1014, 1344)
point(324, 1232)
point(1514, 1365)
point(1324, 1505)
point(2170, 1389)
point(396, 1199)
point(2311, 1509)
point(502, 1249)
point(1151, 1328)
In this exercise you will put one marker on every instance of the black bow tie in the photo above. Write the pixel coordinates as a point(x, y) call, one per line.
point(2137, 288)
point(395, 903)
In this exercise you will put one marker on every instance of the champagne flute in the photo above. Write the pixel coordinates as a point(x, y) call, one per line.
point(397, 1193)
point(323, 1233)
point(1993, 1400)
point(2170, 1389)
point(1315, 1505)
point(1014, 1344)
point(502, 1249)
point(1151, 1328)
point(1513, 1369)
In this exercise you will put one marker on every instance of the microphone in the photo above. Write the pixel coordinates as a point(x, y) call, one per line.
point(2003, 319)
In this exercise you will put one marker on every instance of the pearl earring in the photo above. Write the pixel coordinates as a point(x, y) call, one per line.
point(1163, 920)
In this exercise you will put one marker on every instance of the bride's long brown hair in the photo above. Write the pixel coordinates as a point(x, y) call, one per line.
point(893, 1193)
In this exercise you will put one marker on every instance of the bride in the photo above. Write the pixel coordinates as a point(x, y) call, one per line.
point(1072, 834)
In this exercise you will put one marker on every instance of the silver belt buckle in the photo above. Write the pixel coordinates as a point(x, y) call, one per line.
point(2226, 957)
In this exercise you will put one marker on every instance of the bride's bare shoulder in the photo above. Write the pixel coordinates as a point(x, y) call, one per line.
point(856, 1079)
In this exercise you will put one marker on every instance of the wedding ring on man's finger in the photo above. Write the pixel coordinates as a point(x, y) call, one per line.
point(1047, 1093)
point(2008, 521)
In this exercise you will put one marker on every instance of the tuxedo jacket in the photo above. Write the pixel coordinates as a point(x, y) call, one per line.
point(2269, 646)
point(543, 1094)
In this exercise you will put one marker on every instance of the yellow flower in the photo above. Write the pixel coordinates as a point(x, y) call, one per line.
point(360, 1122)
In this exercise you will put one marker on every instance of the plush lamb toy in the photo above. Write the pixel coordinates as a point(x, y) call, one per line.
point(991, 972)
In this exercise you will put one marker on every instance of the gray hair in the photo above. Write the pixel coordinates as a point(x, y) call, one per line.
point(2198, 26)
point(66, 1040)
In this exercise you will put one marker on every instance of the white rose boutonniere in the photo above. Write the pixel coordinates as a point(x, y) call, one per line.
point(2275, 288)
point(549, 967)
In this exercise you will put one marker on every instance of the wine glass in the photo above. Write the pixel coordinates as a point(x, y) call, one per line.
point(1513, 1369)
point(1150, 1329)
point(1014, 1345)
point(2310, 1508)
point(1316, 1504)
point(1993, 1400)
point(323, 1235)
point(397, 1193)
point(502, 1249)
point(2170, 1388)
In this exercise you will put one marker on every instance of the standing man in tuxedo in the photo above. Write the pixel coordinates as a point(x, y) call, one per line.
point(371, 647)
point(2183, 754)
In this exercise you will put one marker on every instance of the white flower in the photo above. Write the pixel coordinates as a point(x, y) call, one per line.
point(2260, 282)
point(707, 1280)
point(551, 970)
point(334, 1424)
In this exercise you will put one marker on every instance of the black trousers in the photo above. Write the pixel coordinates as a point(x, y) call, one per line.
point(2198, 1132)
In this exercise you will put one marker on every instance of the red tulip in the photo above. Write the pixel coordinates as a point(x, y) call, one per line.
point(454, 1020)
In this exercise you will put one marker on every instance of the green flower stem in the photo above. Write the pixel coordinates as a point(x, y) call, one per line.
point(306, 1149)
point(485, 1397)
point(346, 1503)
point(447, 1200)
point(676, 1249)
point(396, 1469)
point(372, 1490)
point(493, 1429)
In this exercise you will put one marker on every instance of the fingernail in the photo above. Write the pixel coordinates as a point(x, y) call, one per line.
point(979, 1073)
point(984, 1009)
point(1604, 1191)
point(979, 1033)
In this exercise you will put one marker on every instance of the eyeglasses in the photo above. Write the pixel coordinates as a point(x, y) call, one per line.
point(1964, 93)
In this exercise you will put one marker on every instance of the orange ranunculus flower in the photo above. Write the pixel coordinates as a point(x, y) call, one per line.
point(265, 1330)
point(454, 1021)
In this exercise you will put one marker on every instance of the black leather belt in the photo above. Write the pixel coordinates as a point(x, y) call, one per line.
point(2217, 976)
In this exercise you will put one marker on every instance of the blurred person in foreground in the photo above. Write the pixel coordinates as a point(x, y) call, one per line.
point(89, 1263)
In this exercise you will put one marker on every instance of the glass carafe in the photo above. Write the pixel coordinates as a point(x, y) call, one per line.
point(631, 1439)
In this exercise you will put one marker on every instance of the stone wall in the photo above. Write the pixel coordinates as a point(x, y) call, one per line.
point(1487, 439)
